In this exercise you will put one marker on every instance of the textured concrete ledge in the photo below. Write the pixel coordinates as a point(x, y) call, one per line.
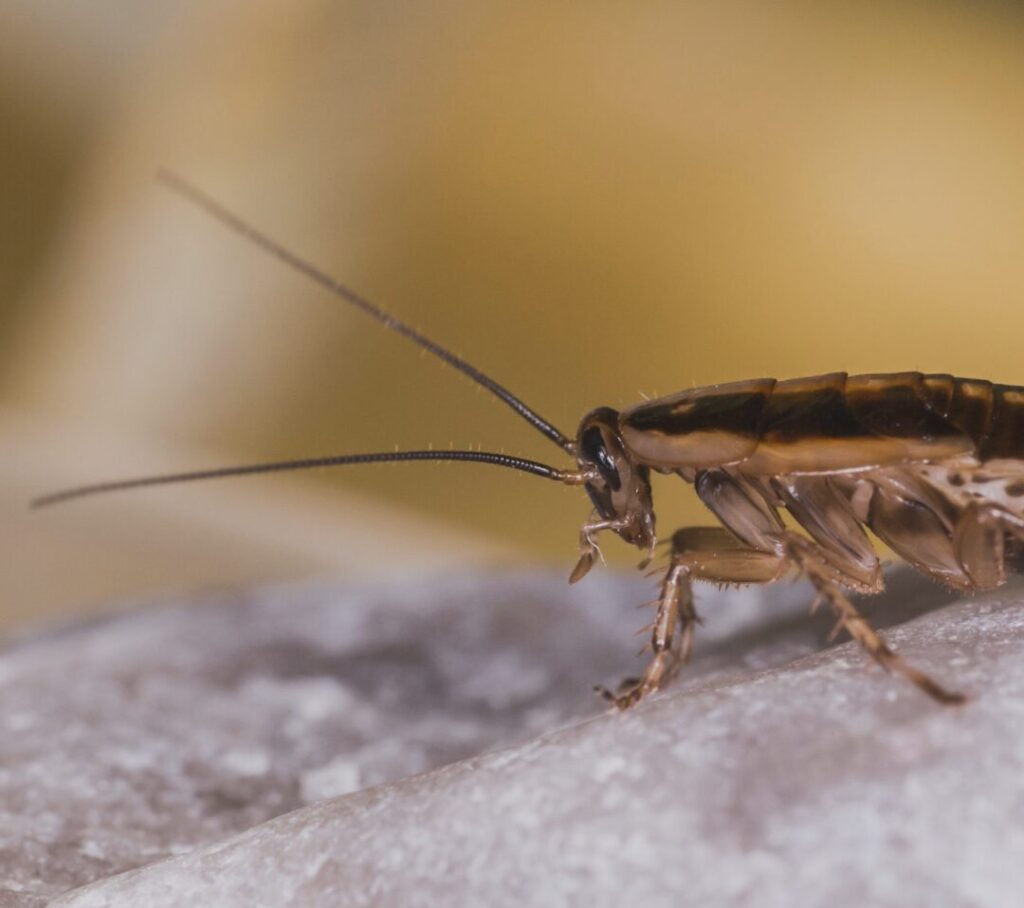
point(437, 743)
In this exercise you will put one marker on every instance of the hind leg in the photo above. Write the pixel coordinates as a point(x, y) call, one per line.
point(979, 540)
point(908, 516)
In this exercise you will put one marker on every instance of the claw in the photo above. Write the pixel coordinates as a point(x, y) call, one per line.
point(629, 693)
point(604, 693)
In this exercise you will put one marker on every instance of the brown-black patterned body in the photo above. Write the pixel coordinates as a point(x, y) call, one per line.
point(932, 464)
point(828, 422)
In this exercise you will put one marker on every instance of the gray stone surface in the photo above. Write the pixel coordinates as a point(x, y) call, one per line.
point(436, 742)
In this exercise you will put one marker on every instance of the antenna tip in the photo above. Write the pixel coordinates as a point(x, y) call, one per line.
point(172, 180)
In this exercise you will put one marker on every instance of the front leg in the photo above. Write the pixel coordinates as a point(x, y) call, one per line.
point(698, 553)
point(675, 604)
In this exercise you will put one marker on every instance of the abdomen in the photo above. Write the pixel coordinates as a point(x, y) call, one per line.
point(828, 423)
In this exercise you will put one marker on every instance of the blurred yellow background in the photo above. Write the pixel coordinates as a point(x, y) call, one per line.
point(590, 201)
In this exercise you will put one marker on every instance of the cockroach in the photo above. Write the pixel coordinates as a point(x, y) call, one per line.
point(932, 464)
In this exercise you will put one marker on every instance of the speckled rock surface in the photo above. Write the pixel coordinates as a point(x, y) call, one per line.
point(435, 742)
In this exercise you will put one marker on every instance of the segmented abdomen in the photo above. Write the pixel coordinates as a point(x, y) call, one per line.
point(991, 415)
point(828, 423)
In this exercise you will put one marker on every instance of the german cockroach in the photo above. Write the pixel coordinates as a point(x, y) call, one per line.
point(933, 465)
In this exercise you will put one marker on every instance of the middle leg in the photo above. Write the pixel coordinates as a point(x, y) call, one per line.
point(813, 565)
point(837, 556)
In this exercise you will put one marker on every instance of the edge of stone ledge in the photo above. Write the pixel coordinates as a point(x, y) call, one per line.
point(845, 660)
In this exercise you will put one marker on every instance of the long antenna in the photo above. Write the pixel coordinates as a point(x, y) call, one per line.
point(498, 460)
point(200, 198)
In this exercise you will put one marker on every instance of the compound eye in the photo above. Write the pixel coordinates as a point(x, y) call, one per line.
point(595, 451)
